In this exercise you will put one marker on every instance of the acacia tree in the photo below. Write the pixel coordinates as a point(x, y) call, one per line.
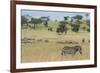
point(66, 18)
point(45, 20)
point(87, 22)
point(62, 27)
point(76, 25)
point(35, 21)
point(71, 20)
point(24, 20)
point(79, 17)
point(88, 25)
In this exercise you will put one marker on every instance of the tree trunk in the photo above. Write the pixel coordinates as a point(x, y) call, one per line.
point(34, 26)
point(27, 25)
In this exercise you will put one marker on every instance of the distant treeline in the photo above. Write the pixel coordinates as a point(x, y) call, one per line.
point(75, 23)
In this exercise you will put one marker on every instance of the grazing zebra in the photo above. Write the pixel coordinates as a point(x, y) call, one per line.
point(71, 50)
point(27, 40)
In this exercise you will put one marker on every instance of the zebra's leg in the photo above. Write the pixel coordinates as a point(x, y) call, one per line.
point(80, 50)
point(63, 53)
point(74, 52)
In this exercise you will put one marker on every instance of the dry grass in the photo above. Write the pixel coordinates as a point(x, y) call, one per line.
point(42, 51)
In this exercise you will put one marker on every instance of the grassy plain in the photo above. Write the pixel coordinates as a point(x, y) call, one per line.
point(46, 46)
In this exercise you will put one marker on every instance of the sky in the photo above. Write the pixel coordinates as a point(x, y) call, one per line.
point(53, 15)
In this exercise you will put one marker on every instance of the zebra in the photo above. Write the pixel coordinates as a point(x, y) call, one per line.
point(71, 50)
point(27, 40)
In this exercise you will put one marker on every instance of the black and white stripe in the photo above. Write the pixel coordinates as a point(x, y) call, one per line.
point(71, 50)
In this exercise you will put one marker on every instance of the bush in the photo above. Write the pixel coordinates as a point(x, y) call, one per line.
point(88, 30)
point(75, 27)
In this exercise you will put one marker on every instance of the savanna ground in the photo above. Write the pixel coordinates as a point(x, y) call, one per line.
point(47, 45)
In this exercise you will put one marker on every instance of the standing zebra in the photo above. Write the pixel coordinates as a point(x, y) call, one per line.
point(71, 50)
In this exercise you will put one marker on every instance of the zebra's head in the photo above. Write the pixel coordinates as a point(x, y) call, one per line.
point(78, 48)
